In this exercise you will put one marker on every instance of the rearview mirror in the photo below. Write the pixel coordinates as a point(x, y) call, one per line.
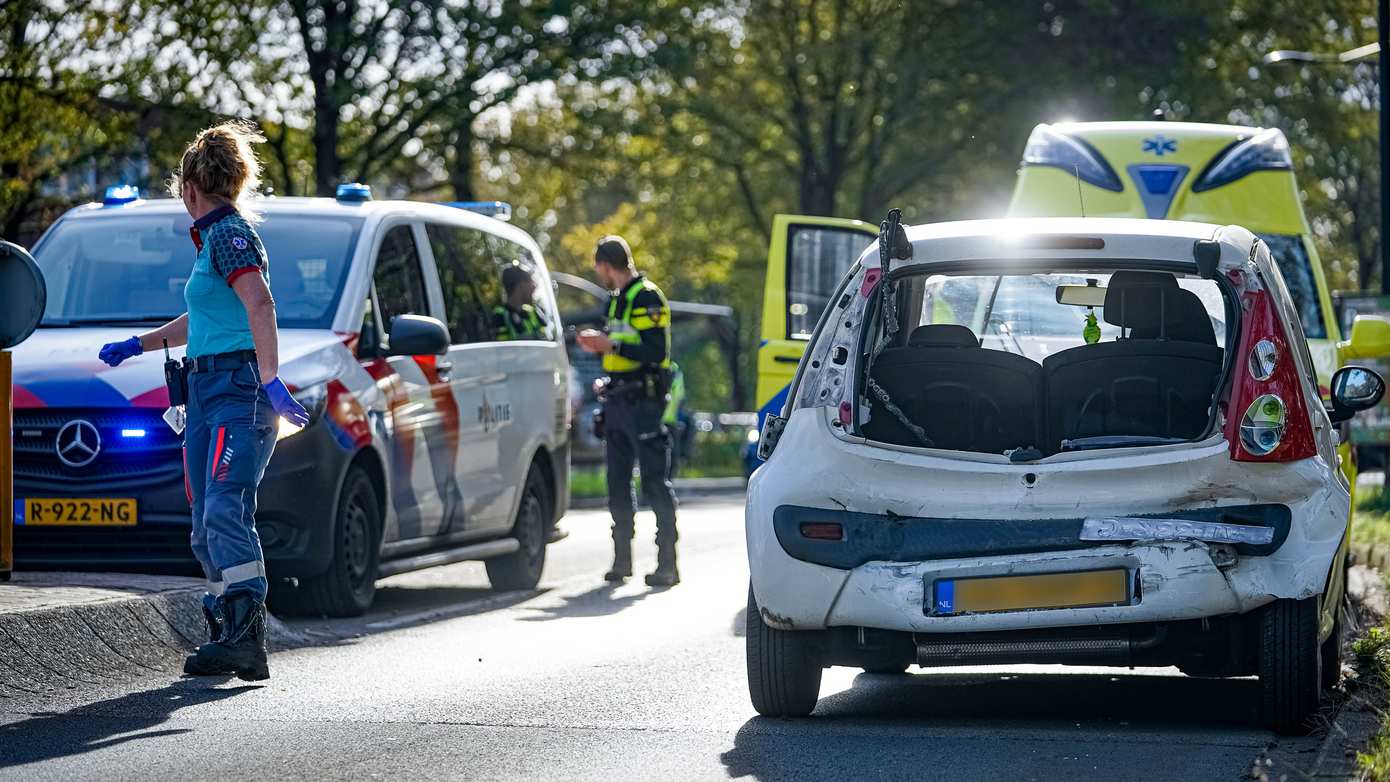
point(1370, 338)
point(417, 335)
point(1081, 295)
point(1355, 389)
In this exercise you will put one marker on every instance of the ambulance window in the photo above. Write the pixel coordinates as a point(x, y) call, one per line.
point(817, 259)
point(400, 287)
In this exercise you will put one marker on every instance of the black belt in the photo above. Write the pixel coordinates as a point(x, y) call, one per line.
point(220, 362)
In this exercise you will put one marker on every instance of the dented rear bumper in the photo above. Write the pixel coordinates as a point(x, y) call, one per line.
point(998, 518)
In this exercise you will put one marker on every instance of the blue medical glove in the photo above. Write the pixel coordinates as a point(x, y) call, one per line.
point(113, 353)
point(285, 404)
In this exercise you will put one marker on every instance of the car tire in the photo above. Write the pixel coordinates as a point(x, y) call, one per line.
point(784, 668)
point(1290, 664)
point(521, 570)
point(348, 586)
point(1331, 651)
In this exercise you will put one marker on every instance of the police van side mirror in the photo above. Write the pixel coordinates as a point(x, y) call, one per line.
point(417, 335)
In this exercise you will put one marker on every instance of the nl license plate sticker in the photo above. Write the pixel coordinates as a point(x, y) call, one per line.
point(991, 594)
point(75, 511)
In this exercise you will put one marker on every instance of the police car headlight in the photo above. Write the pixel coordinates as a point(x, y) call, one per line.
point(314, 399)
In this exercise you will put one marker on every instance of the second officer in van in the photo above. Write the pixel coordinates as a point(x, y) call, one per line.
point(637, 359)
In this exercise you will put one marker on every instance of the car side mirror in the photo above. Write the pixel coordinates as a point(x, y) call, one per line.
point(417, 335)
point(1370, 338)
point(1355, 389)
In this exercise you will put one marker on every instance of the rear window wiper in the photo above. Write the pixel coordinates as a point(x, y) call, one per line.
point(1116, 441)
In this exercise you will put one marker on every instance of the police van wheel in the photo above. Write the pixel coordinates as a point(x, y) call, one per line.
point(522, 568)
point(347, 587)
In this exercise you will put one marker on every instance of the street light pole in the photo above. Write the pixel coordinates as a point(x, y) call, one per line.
point(1382, 44)
point(1383, 70)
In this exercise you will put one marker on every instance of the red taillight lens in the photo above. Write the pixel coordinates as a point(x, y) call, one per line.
point(822, 531)
point(1267, 418)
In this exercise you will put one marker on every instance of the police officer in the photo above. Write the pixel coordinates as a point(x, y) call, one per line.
point(518, 318)
point(234, 393)
point(637, 357)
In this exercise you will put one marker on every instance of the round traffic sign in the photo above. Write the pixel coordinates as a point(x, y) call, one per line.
point(22, 294)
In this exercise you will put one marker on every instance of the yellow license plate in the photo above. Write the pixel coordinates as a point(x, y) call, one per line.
point(79, 511)
point(1026, 593)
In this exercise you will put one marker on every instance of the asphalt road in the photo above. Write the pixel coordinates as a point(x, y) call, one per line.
point(583, 681)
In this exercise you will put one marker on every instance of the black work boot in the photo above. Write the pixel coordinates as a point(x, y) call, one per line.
point(241, 649)
point(214, 623)
point(622, 562)
point(666, 574)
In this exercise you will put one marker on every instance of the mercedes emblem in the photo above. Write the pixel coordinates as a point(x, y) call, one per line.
point(78, 443)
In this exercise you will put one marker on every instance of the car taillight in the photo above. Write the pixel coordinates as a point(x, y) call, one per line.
point(1267, 419)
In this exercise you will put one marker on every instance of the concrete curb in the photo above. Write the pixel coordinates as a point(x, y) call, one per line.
point(107, 641)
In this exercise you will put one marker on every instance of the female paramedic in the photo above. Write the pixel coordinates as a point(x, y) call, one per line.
point(233, 393)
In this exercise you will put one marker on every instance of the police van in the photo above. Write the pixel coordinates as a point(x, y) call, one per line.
point(435, 437)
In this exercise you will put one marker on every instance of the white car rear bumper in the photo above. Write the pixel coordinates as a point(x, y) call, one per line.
point(1176, 580)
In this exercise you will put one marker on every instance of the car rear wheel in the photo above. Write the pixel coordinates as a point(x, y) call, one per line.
point(521, 569)
point(783, 667)
point(347, 587)
point(1290, 664)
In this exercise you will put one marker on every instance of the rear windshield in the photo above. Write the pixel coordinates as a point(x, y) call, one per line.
point(1019, 313)
point(1030, 365)
point(132, 268)
point(1293, 262)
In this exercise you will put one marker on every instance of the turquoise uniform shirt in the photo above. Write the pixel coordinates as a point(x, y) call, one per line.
point(227, 248)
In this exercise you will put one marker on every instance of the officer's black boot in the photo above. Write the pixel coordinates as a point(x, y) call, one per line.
point(241, 649)
point(622, 562)
point(666, 574)
point(214, 623)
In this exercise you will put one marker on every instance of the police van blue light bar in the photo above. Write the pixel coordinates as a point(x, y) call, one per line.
point(499, 209)
point(354, 191)
point(120, 194)
point(133, 433)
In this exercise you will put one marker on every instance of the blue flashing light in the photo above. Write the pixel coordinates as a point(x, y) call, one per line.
point(354, 191)
point(117, 195)
point(499, 209)
point(133, 433)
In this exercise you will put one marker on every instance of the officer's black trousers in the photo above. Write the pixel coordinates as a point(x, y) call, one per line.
point(635, 434)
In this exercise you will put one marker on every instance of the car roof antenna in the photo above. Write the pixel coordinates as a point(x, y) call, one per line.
point(1080, 199)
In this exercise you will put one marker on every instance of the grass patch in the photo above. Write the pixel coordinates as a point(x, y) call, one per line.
point(588, 482)
point(1373, 660)
point(1371, 524)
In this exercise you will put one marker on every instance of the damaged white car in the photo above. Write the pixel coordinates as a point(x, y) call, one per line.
point(1082, 441)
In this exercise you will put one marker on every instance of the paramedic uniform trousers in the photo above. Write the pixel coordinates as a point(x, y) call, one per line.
point(634, 432)
point(228, 442)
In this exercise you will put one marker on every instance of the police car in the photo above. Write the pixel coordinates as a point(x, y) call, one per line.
point(432, 440)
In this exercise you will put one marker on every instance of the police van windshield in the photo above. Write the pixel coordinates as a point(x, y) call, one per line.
point(133, 268)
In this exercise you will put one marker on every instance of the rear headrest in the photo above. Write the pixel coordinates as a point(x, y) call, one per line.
point(1134, 300)
point(940, 335)
point(1185, 319)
